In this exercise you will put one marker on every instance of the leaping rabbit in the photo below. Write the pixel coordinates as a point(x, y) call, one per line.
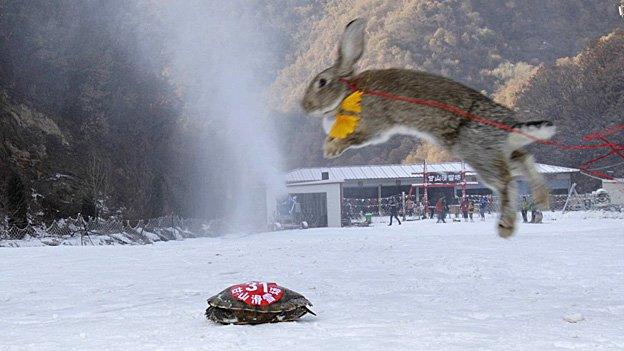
point(361, 119)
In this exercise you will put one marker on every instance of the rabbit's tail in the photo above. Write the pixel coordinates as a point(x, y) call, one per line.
point(530, 132)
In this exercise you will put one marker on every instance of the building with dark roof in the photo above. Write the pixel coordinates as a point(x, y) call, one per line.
point(323, 190)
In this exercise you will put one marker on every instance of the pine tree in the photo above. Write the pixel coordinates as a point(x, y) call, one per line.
point(88, 208)
point(16, 202)
point(157, 197)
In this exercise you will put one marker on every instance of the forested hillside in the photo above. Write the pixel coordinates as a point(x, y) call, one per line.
point(480, 43)
point(84, 115)
point(580, 94)
point(95, 117)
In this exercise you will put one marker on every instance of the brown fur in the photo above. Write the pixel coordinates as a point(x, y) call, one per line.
point(486, 149)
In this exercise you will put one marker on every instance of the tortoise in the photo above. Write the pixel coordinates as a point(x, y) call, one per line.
point(257, 302)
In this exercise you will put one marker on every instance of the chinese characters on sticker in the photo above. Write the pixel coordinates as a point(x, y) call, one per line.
point(257, 293)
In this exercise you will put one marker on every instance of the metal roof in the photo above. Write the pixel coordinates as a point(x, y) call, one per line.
point(392, 171)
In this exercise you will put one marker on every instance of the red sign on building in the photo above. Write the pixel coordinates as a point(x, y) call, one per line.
point(437, 178)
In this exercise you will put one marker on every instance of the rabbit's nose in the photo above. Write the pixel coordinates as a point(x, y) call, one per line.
point(307, 105)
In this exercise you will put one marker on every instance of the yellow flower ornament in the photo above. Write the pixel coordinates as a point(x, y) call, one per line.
point(348, 116)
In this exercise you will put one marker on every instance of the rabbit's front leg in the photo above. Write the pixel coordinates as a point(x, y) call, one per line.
point(523, 161)
point(334, 147)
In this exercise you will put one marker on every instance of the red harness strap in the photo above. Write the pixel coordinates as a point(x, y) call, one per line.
point(616, 149)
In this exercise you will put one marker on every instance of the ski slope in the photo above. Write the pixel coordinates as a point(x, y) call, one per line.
point(419, 286)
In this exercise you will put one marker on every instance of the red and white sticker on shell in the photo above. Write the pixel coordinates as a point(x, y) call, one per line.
point(257, 293)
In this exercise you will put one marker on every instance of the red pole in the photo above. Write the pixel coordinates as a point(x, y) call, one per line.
point(463, 180)
point(426, 195)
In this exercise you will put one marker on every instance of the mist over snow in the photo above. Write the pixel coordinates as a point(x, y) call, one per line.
point(222, 56)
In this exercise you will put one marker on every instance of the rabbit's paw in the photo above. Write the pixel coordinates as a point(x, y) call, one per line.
point(505, 231)
point(333, 147)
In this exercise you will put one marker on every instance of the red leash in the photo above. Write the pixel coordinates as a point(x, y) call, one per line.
point(616, 149)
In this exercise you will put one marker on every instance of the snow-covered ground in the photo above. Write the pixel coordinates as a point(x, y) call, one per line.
point(419, 286)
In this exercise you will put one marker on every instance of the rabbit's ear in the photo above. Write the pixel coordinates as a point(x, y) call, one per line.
point(351, 47)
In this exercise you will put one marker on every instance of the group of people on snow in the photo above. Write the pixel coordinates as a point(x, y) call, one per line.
point(465, 208)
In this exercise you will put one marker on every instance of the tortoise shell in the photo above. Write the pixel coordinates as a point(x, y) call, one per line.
point(255, 303)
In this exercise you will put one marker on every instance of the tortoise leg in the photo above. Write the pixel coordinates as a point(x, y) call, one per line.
point(220, 315)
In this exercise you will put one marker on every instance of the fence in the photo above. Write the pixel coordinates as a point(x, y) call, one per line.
point(111, 231)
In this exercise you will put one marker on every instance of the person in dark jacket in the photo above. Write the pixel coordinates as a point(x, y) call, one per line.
point(524, 208)
point(483, 204)
point(394, 211)
point(439, 210)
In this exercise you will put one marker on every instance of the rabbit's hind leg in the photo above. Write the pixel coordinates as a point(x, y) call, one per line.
point(486, 154)
point(522, 161)
point(508, 195)
point(497, 175)
point(508, 206)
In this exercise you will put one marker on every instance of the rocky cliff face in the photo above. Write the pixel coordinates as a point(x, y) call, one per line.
point(84, 115)
point(34, 147)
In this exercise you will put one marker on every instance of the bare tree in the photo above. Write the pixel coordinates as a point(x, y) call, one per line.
point(98, 175)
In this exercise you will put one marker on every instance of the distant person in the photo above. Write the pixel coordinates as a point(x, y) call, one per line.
point(538, 216)
point(483, 204)
point(348, 210)
point(463, 207)
point(409, 207)
point(524, 209)
point(422, 212)
point(429, 209)
point(439, 210)
point(426, 211)
point(394, 211)
point(533, 209)
point(295, 210)
point(471, 209)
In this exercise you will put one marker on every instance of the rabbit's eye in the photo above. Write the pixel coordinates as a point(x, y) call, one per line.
point(322, 82)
